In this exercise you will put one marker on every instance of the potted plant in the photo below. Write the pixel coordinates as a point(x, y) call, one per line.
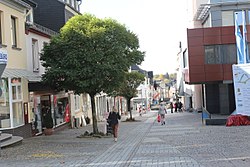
point(48, 123)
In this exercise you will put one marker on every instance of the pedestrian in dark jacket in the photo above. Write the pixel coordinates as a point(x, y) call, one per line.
point(171, 107)
point(113, 118)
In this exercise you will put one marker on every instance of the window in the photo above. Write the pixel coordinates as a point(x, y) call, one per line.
point(227, 18)
point(220, 54)
point(212, 54)
point(14, 31)
point(18, 117)
point(73, 3)
point(35, 55)
point(185, 59)
point(4, 104)
point(70, 2)
point(229, 54)
point(16, 89)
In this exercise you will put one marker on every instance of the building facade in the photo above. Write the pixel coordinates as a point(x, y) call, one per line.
point(48, 18)
point(211, 51)
point(21, 41)
point(15, 78)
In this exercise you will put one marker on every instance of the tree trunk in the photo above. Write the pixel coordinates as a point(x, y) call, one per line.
point(129, 108)
point(95, 127)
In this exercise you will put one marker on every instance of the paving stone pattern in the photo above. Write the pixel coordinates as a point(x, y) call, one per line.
point(182, 142)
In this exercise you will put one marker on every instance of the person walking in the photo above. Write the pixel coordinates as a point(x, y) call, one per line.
point(171, 107)
point(113, 118)
point(180, 106)
point(175, 106)
point(162, 112)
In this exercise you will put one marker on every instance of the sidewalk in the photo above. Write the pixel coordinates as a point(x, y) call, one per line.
point(182, 142)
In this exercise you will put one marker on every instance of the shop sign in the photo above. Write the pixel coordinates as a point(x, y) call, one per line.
point(3, 56)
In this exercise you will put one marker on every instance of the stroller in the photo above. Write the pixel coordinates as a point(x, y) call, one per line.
point(109, 127)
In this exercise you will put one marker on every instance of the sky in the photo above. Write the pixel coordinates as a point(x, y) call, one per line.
point(159, 24)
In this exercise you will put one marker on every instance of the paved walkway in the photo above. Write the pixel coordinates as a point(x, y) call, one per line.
point(182, 142)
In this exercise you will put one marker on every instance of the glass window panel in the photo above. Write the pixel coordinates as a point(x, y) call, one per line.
point(229, 54)
point(13, 31)
point(209, 54)
point(18, 117)
point(227, 18)
point(185, 59)
point(14, 93)
point(4, 105)
point(19, 92)
point(220, 54)
point(35, 55)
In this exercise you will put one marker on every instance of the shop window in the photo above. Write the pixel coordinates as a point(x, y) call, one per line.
point(4, 104)
point(18, 117)
point(60, 111)
point(77, 102)
point(14, 31)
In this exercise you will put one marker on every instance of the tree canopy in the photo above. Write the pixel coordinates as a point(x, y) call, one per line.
point(90, 55)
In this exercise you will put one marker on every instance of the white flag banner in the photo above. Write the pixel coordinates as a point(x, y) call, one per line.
point(244, 38)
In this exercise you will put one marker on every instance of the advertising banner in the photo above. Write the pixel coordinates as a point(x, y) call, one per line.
point(241, 78)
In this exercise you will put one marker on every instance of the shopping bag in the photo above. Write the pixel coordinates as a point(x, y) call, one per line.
point(159, 118)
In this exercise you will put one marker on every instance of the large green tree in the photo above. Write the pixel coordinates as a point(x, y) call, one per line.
point(90, 55)
point(128, 88)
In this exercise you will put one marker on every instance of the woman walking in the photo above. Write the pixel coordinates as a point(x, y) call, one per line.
point(162, 111)
point(113, 118)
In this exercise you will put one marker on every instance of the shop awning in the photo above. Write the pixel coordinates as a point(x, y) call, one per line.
point(21, 73)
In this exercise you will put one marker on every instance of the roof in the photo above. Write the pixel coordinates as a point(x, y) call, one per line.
point(31, 3)
point(21, 73)
point(24, 4)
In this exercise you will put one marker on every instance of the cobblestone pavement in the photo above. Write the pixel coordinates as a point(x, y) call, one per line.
point(182, 142)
